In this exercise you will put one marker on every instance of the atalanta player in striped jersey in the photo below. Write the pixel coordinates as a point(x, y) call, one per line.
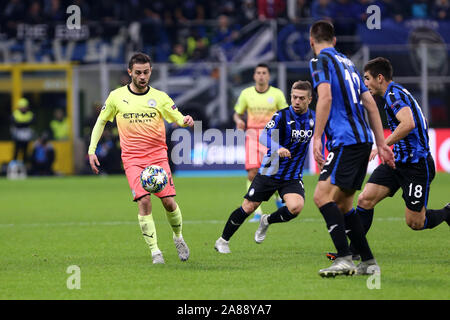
point(342, 98)
point(287, 136)
point(414, 169)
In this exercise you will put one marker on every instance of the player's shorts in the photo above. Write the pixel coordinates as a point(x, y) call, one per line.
point(254, 151)
point(133, 173)
point(263, 187)
point(413, 178)
point(347, 166)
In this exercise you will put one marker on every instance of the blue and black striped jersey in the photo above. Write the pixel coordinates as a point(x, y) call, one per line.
point(346, 123)
point(416, 144)
point(292, 131)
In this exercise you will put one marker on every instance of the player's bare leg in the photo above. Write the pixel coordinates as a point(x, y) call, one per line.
point(148, 228)
point(174, 217)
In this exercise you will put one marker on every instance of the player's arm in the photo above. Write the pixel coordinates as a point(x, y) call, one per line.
point(239, 111)
point(323, 108)
point(107, 113)
point(171, 114)
point(238, 119)
point(405, 126)
point(385, 153)
point(270, 137)
point(97, 132)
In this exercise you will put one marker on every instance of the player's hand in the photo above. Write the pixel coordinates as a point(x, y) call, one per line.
point(93, 161)
point(386, 155)
point(317, 152)
point(240, 125)
point(373, 154)
point(284, 153)
point(188, 121)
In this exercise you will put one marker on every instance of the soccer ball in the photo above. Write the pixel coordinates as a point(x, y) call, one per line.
point(154, 179)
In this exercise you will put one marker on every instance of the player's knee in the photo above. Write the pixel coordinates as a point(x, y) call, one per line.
point(415, 224)
point(295, 209)
point(169, 204)
point(318, 199)
point(250, 206)
point(364, 201)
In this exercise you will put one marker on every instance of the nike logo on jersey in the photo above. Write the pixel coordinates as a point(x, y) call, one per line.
point(289, 122)
point(234, 224)
point(146, 235)
point(125, 101)
point(415, 202)
point(332, 228)
point(323, 171)
point(314, 59)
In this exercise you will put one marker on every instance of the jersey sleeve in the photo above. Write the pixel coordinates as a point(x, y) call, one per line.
point(170, 111)
point(241, 104)
point(320, 71)
point(109, 110)
point(362, 86)
point(270, 136)
point(396, 101)
point(281, 101)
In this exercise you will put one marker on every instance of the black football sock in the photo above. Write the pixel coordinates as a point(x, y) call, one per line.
point(281, 215)
point(237, 217)
point(366, 217)
point(336, 227)
point(356, 234)
point(434, 218)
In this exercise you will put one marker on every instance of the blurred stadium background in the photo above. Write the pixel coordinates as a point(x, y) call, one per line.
point(204, 52)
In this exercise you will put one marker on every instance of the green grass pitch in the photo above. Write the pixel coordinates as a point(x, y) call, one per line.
point(49, 224)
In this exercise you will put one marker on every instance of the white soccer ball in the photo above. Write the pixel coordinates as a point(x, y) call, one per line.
point(154, 179)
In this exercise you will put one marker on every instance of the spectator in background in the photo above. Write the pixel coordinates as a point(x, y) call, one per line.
point(190, 10)
point(322, 9)
point(21, 131)
point(224, 33)
point(441, 10)
point(59, 125)
point(53, 11)
point(344, 17)
point(420, 9)
point(302, 10)
point(13, 14)
point(197, 45)
point(34, 14)
point(42, 157)
point(179, 56)
point(247, 12)
point(361, 10)
point(271, 9)
point(393, 9)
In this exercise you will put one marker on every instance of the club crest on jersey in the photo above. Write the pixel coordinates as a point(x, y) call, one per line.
point(270, 124)
point(270, 100)
point(151, 103)
point(311, 123)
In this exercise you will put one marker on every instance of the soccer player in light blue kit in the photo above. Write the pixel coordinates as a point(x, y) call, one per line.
point(342, 97)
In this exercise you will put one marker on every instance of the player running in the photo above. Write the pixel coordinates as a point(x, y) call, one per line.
point(287, 138)
point(414, 165)
point(139, 111)
point(340, 114)
point(260, 102)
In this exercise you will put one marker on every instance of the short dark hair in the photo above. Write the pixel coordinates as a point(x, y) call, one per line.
point(381, 66)
point(263, 65)
point(302, 85)
point(322, 31)
point(139, 58)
